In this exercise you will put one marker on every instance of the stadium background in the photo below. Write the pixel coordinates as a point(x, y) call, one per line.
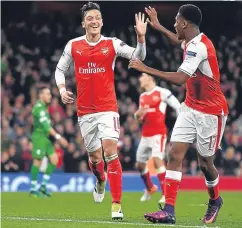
point(33, 35)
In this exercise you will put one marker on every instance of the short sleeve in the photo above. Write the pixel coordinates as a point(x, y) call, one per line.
point(194, 55)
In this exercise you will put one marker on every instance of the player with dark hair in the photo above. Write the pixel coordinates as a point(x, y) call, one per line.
point(94, 59)
point(152, 114)
point(202, 116)
point(42, 145)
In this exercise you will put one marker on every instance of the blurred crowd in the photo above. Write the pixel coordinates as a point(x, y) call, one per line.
point(30, 51)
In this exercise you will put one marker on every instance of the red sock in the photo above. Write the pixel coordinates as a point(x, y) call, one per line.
point(171, 189)
point(213, 192)
point(213, 188)
point(147, 180)
point(161, 177)
point(98, 169)
point(172, 183)
point(115, 179)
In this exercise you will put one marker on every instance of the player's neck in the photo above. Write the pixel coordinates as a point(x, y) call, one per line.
point(150, 87)
point(42, 102)
point(191, 34)
point(93, 38)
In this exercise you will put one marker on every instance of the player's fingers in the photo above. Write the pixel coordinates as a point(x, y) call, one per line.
point(148, 11)
point(63, 101)
point(69, 93)
point(140, 19)
point(69, 97)
point(143, 17)
point(136, 18)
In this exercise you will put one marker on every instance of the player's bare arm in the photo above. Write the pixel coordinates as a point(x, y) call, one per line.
point(176, 78)
point(58, 137)
point(154, 23)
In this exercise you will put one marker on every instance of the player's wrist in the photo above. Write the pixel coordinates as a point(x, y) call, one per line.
point(57, 136)
point(141, 39)
point(62, 89)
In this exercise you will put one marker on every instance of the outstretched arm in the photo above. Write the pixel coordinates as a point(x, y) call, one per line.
point(195, 54)
point(124, 50)
point(176, 78)
point(140, 29)
point(154, 22)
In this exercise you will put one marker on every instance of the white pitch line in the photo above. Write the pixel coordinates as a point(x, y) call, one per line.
point(100, 222)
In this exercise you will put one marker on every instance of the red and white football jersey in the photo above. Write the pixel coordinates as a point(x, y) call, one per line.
point(156, 102)
point(94, 71)
point(203, 87)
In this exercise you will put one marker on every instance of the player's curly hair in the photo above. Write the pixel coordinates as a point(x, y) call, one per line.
point(89, 6)
point(191, 13)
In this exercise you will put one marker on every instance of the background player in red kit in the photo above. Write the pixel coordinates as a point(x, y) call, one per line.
point(94, 59)
point(152, 114)
point(202, 116)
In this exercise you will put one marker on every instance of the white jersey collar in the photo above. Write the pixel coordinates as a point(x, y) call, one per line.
point(196, 38)
point(94, 43)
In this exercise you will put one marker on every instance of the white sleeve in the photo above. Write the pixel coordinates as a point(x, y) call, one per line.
point(63, 65)
point(194, 55)
point(125, 51)
point(170, 99)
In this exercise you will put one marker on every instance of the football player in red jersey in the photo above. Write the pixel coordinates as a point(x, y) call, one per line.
point(202, 116)
point(152, 114)
point(94, 58)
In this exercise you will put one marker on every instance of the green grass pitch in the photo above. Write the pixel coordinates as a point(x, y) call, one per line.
point(77, 210)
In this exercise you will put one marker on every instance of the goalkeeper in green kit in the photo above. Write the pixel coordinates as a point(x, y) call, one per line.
point(42, 145)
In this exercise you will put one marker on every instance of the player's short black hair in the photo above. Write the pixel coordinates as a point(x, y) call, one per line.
point(89, 6)
point(41, 89)
point(191, 13)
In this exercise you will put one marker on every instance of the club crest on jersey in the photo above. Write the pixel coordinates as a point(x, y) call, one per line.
point(105, 50)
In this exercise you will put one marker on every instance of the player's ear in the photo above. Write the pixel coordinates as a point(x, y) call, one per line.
point(184, 24)
point(83, 24)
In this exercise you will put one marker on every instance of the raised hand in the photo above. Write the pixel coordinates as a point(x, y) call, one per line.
point(153, 19)
point(141, 25)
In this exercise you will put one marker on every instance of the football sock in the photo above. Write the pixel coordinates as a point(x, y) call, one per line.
point(161, 173)
point(34, 174)
point(98, 170)
point(145, 175)
point(114, 177)
point(48, 172)
point(213, 188)
point(172, 183)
